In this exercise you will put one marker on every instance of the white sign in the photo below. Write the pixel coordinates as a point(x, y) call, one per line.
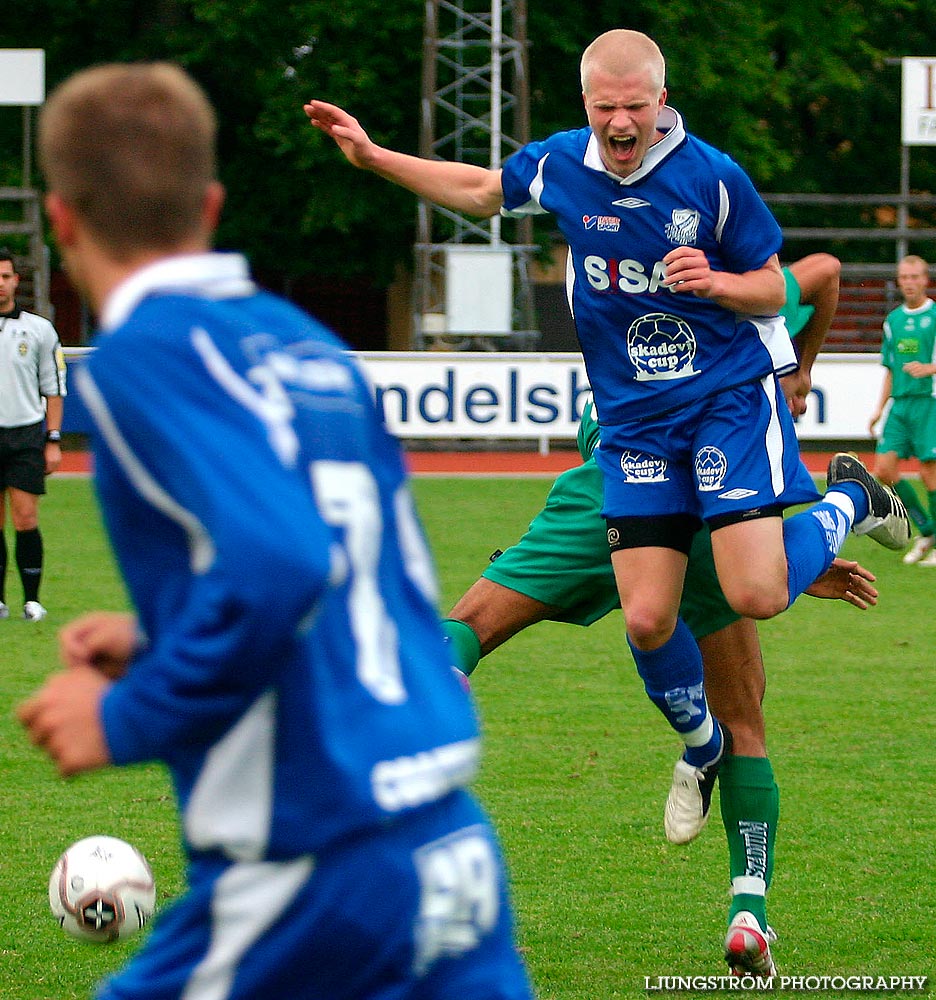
point(918, 98)
point(22, 76)
point(845, 389)
point(499, 395)
point(478, 289)
point(428, 394)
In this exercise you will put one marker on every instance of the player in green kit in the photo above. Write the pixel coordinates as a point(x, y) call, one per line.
point(908, 353)
point(560, 570)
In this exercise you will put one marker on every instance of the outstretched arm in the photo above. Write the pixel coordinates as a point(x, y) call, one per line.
point(461, 187)
point(818, 278)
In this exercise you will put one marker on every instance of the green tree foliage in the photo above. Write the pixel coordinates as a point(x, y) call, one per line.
point(802, 95)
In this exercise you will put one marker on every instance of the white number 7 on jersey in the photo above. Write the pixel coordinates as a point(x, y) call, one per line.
point(347, 498)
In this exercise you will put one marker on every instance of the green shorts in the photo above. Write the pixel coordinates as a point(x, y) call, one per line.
point(910, 428)
point(563, 560)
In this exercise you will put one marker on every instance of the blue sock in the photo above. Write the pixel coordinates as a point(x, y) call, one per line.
point(672, 676)
point(812, 539)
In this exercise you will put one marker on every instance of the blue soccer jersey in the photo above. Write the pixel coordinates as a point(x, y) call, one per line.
point(295, 678)
point(648, 349)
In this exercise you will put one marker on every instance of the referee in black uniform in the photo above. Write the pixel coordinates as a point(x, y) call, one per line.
point(32, 384)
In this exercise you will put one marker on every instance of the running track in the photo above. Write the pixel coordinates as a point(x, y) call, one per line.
point(486, 463)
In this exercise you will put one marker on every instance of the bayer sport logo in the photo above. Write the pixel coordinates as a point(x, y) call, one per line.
point(660, 347)
point(710, 468)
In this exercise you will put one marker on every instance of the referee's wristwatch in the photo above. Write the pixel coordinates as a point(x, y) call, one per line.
point(53, 437)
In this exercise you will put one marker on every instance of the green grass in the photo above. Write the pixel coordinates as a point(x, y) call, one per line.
point(576, 768)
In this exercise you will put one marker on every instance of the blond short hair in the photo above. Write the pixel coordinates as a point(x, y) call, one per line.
point(620, 52)
point(132, 148)
point(914, 261)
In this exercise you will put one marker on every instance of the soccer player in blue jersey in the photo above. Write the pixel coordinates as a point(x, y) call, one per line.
point(675, 285)
point(560, 570)
point(285, 661)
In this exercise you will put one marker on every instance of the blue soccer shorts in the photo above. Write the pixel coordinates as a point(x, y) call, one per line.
point(415, 911)
point(730, 452)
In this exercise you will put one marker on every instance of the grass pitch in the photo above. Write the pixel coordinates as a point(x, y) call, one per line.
point(577, 765)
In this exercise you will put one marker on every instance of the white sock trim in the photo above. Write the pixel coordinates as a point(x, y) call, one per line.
point(701, 734)
point(748, 885)
point(844, 503)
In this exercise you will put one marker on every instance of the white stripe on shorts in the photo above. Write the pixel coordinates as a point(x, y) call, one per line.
point(773, 436)
point(248, 899)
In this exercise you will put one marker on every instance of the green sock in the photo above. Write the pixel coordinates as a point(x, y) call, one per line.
point(465, 645)
point(930, 528)
point(750, 808)
point(904, 489)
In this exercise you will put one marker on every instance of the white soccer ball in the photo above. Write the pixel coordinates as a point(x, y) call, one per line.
point(102, 889)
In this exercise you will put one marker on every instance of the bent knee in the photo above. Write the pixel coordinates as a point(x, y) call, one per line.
point(758, 602)
point(648, 630)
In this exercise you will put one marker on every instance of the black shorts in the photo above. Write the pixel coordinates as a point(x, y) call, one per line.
point(22, 458)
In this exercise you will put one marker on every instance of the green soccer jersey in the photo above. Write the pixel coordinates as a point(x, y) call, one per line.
point(588, 431)
point(909, 335)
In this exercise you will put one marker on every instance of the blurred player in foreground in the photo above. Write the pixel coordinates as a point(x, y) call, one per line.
point(287, 665)
point(560, 570)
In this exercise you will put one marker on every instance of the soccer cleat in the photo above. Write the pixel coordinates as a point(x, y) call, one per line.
point(33, 611)
point(887, 523)
point(4, 610)
point(929, 560)
point(747, 947)
point(919, 549)
point(690, 795)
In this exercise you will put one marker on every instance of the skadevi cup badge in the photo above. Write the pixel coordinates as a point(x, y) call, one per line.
point(711, 466)
point(641, 467)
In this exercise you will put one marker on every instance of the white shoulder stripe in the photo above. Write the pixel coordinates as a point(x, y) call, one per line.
point(201, 546)
point(533, 206)
point(724, 205)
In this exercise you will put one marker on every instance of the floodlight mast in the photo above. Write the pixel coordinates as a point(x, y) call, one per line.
point(474, 109)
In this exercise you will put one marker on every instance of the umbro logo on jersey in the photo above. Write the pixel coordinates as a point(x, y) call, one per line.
point(738, 494)
point(603, 223)
point(631, 202)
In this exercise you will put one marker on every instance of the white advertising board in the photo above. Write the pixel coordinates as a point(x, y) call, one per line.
point(501, 395)
point(426, 394)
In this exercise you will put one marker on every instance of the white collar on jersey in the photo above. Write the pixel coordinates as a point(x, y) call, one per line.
point(669, 122)
point(209, 275)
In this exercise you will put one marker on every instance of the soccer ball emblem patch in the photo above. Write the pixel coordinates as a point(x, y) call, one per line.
point(661, 347)
point(711, 466)
point(641, 467)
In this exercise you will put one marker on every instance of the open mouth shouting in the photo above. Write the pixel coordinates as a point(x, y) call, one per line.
point(621, 149)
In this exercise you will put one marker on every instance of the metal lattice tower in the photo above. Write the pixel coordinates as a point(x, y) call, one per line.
point(474, 109)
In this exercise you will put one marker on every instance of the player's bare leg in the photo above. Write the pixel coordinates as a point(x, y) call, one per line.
point(750, 803)
point(486, 616)
point(650, 581)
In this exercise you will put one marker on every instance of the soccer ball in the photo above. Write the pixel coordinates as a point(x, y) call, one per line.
point(102, 889)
